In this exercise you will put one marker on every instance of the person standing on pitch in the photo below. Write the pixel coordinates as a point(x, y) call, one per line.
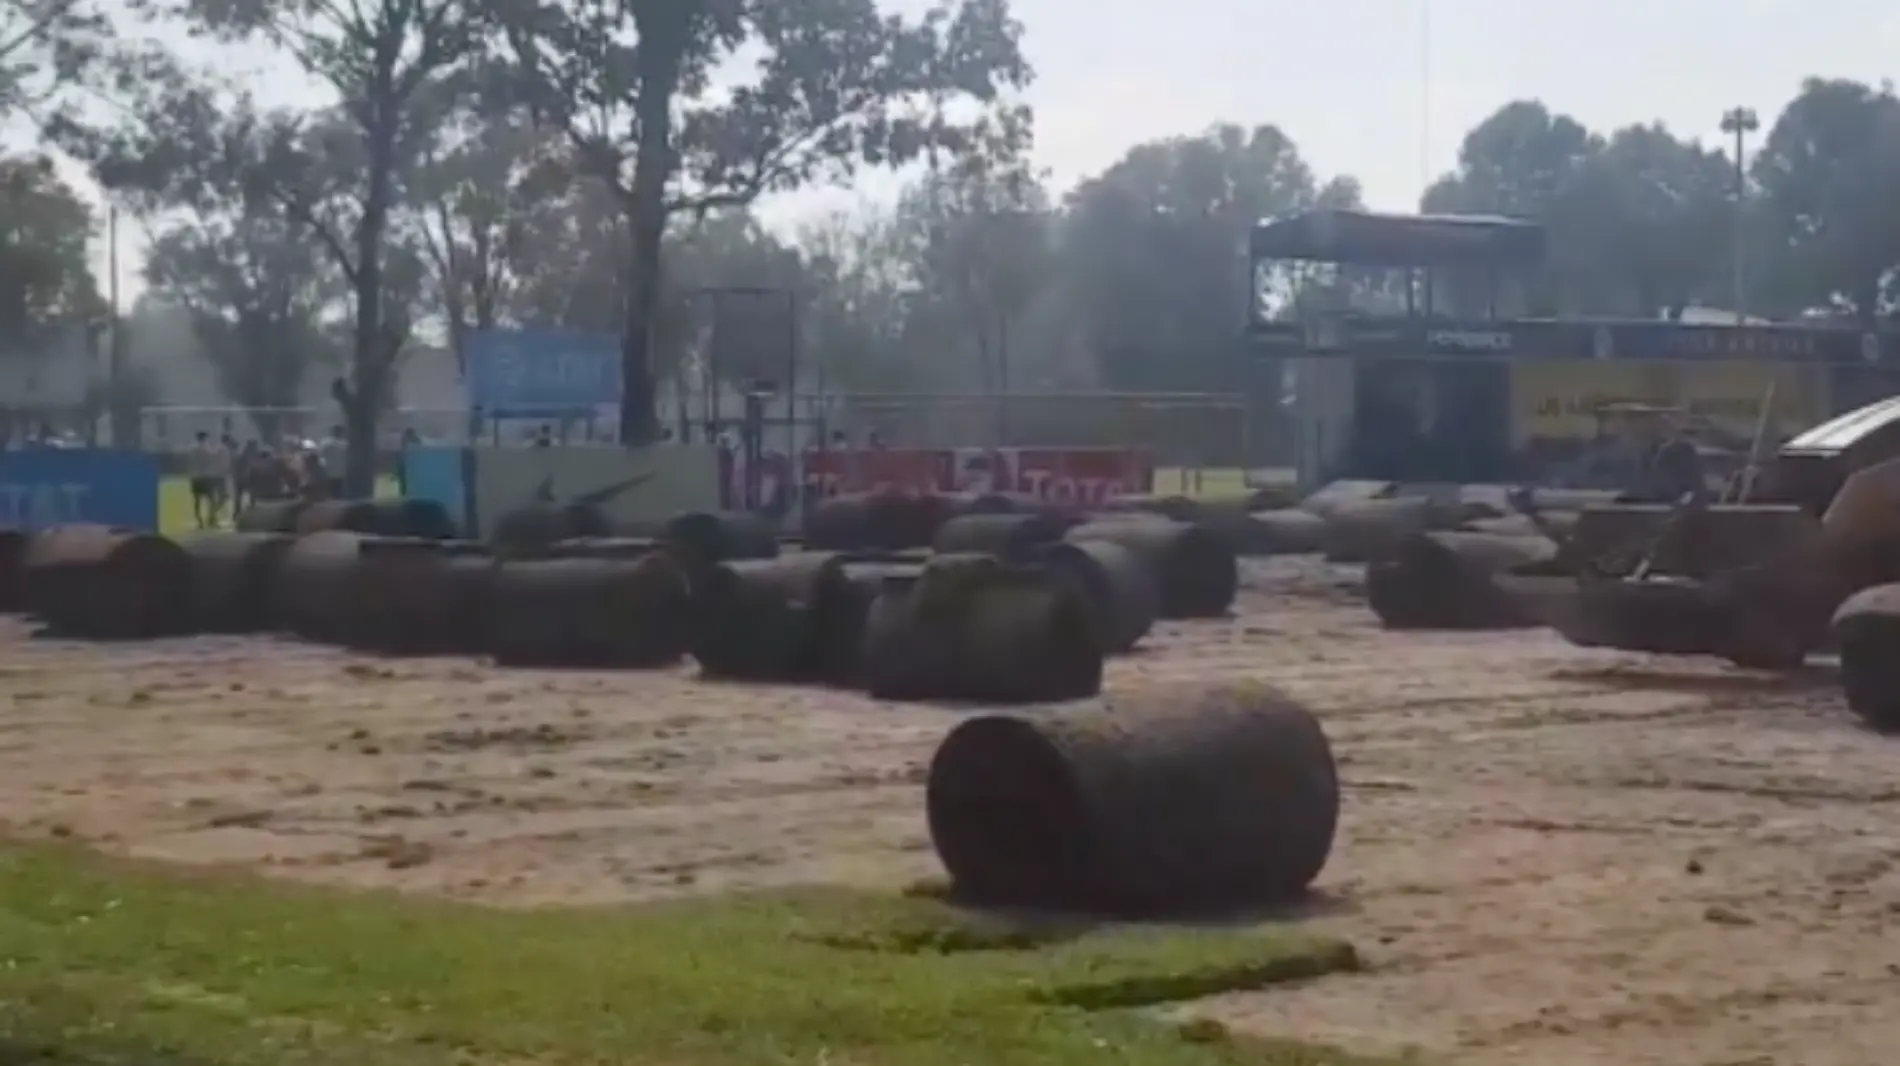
point(209, 470)
point(1672, 470)
point(333, 454)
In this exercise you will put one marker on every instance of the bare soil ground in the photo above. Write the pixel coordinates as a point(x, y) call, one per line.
point(1549, 855)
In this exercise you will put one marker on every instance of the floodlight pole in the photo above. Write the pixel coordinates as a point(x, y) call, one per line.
point(1739, 122)
point(123, 429)
point(1425, 97)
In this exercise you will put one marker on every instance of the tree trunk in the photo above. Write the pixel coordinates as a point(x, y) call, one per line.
point(483, 282)
point(664, 36)
point(638, 425)
point(458, 344)
point(453, 313)
point(485, 316)
point(369, 370)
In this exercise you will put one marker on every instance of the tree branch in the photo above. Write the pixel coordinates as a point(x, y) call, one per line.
point(38, 28)
point(297, 211)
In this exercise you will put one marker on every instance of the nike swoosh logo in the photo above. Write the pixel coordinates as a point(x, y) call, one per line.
point(607, 492)
point(544, 492)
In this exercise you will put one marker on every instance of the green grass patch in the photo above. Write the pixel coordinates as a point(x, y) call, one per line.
point(175, 516)
point(104, 962)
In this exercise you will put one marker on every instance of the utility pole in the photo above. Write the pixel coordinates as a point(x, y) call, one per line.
point(1739, 122)
point(1002, 377)
point(1425, 99)
point(122, 430)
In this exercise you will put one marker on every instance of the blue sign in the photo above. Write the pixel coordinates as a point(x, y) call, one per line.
point(437, 474)
point(43, 487)
point(542, 371)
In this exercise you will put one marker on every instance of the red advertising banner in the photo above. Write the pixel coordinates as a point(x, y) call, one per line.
point(1084, 477)
point(1081, 476)
point(866, 470)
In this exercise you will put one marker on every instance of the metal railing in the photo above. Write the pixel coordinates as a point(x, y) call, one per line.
point(1189, 430)
point(1179, 429)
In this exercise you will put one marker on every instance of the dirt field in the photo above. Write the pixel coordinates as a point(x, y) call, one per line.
point(1549, 855)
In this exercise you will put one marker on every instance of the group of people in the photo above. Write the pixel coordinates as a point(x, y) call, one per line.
point(224, 473)
point(1650, 453)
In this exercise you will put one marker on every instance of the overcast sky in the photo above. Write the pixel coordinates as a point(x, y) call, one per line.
point(1383, 89)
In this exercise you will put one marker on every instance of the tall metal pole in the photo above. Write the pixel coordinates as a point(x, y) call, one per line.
point(1425, 99)
point(115, 340)
point(1002, 377)
point(791, 371)
point(802, 478)
point(1739, 122)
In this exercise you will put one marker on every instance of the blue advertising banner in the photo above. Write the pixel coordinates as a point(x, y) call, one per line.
point(44, 487)
point(437, 474)
point(542, 371)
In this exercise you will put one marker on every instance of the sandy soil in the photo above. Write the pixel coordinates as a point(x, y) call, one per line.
point(1549, 855)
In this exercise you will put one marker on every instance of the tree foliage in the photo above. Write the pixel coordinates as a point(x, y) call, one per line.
point(263, 300)
point(859, 295)
point(835, 85)
point(980, 233)
point(57, 56)
point(1827, 173)
point(337, 174)
point(46, 282)
point(1645, 212)
point(490, 200)
point(1645, 222)
point(596, 166)
point(1155, 248)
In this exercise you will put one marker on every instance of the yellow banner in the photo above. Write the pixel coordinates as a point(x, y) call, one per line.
point(1558, 399)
